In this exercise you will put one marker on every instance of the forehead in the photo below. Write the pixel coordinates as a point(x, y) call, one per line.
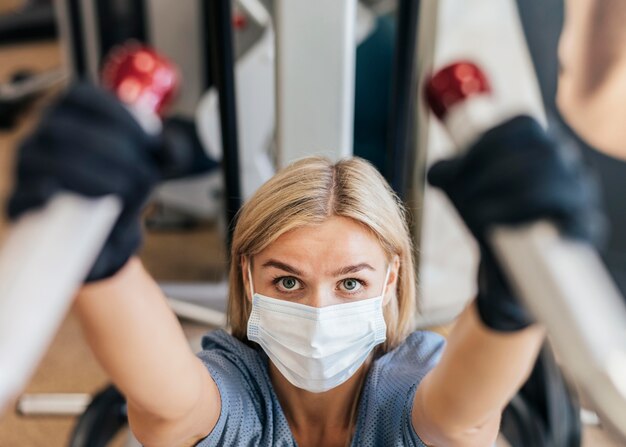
point(338, 241)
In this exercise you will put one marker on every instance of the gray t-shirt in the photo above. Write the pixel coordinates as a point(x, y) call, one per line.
point(252, 416)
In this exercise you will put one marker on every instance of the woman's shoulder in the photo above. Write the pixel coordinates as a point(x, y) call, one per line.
point(250, 412)
point(229, 359)
point(223, 341)
point(220, 344)
point(419, 346)
point(409, 362)
point(387, 399)
point(239, 371)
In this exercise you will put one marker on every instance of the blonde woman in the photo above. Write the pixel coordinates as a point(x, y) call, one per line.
point(322, 294)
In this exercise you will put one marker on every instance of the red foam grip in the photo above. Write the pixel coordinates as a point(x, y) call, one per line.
point(139, 76)
point(454, 84)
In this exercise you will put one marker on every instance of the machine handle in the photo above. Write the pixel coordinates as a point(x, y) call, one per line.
point(562, 281)
point(48, 252)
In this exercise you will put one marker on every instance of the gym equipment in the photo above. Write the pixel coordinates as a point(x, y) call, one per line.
point(488, 32)
point(32, 22)
point(255, 104)
point(182, 32)
point(562, 281)
point(33, 246)
point(400, 159)
point(544, 412)
point(24, 88)
point(315, 96)
point(103, 418)
point(221, 42)
point(39, 239)
point(57, 404)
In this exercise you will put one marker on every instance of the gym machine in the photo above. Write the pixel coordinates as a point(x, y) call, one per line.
point(563, 282)
point(436, 19)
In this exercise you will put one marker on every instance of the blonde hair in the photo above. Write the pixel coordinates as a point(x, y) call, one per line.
point(310, 191)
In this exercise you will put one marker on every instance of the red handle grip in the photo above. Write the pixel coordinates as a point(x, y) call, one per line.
point(452, 85)
point(140, 77)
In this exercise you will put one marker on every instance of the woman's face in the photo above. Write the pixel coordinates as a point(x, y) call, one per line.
point(335, 262)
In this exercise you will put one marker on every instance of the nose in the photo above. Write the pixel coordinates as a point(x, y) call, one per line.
point(322, 296)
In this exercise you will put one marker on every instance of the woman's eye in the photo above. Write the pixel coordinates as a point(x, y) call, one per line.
point(351, 285)
point(288, 283)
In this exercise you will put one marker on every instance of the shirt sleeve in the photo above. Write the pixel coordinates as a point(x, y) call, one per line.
point(385, 418)
point(428, 355)
point(248, 410)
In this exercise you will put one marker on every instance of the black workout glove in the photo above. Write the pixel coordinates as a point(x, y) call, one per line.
point(516, 174)
point(88, 143)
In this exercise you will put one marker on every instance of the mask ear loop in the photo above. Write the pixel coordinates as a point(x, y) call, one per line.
point(250, 279)
point(384, 283)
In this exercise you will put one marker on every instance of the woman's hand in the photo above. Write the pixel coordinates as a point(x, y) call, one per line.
point(88, 143)
point(516, 174)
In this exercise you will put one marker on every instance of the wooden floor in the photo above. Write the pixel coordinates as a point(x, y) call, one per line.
point(69, 366)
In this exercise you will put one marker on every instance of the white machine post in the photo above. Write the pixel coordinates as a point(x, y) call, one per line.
point(315, 67)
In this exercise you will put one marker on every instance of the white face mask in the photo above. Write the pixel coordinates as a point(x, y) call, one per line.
point(317, 348)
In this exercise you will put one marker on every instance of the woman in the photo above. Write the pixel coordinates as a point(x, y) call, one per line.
point(322, 294)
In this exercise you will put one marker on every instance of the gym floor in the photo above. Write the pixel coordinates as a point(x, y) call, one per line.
point(69, 366)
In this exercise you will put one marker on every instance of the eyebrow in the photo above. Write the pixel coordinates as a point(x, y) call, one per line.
point(342, 271)
point(282, 266)
point(353, 269)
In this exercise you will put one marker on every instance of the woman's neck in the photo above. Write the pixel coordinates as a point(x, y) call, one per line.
point(319, 418)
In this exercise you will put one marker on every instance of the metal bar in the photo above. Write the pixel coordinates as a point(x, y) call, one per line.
point(315, 67)
point(31, 311)
point(403, 96)
point(53, 404)
point(425, 55)
point(220, 39)
point(195, 312)
point(77, 50)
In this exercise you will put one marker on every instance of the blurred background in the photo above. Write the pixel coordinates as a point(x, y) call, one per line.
point(360, 63)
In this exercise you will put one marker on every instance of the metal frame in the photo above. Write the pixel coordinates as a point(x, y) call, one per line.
point(315, 78)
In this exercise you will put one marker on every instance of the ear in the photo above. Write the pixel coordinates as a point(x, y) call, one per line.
point(243, 263)
point(392, 280)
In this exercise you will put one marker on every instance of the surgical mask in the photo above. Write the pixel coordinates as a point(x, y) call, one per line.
point(317, 348)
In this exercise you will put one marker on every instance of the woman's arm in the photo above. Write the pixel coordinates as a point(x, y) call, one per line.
point(459, 402)
point(592, 92)
point(515, 174)
point(88, 143)
point(172, 399)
